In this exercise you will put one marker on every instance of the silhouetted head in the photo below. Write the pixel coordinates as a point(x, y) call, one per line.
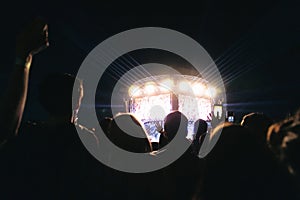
point(175, 123)
point(276, 133)
point(55, 94)
point(284, 140)
point(128, 133)
point(257, 124)
point(291, 148)
point(233, 144)
point(200, 128)
point(105, 124)
point(233, 166)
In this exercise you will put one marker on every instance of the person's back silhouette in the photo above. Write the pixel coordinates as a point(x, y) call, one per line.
point(200, 130)
point(54, 161)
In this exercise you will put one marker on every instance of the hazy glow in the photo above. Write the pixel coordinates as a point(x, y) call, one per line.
point(164, 89)
point(184, 86)
point(199, 89)
point(150, 88)
point(152, 107)
point(134, 91)
point(168, 84)
point(157, 112)
point(211, 92)
point(194, 107)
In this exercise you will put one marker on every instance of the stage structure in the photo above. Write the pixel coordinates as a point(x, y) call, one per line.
point(152, 98)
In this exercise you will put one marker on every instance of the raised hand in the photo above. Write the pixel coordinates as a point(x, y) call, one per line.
point(29, 42)
point(158, 126)
point(215, 120)
point(33, 39)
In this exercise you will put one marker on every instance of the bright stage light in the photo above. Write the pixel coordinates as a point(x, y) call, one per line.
point(163, 89)
point(134, 91)
point(184, 86)
point(211, 92)
point(199, 89)
point(166, 85)
point(155, 97)
point(157, 112)
point(152, 107)
point(150, 88)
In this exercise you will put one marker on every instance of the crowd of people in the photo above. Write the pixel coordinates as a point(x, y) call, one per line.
point(256, 159)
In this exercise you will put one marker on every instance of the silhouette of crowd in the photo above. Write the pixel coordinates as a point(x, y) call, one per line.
point(257, 159)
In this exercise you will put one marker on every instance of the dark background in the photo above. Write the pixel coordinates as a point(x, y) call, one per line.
point(255, 44)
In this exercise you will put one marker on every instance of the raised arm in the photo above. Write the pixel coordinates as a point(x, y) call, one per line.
point(31, 41)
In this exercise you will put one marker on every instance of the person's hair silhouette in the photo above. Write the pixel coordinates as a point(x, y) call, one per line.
point(55, 94)
point(174, 123)
point(128, 133)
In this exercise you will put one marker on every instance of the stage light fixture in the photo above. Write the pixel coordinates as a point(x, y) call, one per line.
point(150, 88)
point(134, 91)
point(198, 89)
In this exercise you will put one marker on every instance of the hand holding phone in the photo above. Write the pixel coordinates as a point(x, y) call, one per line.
point(218, 111)
point(230, 116)
point(231, 119)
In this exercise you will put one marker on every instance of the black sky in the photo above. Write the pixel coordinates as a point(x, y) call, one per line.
point(255, 44)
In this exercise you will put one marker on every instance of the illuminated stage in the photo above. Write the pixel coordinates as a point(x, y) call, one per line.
point(152, 98)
